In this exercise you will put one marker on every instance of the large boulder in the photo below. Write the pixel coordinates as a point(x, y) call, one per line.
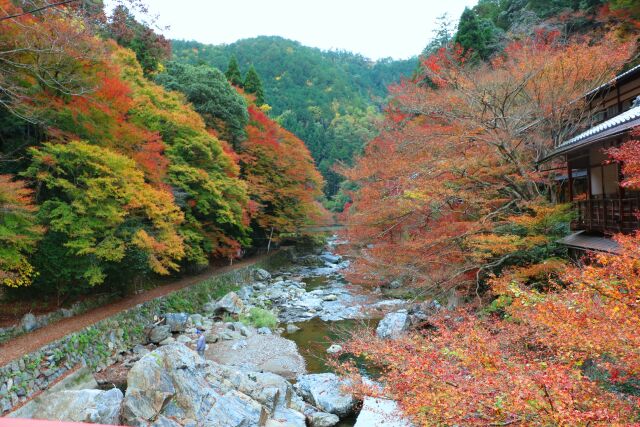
point(266, 353)
point(176, 321)
point(230, 303)
point(393, 325)
point(326, 392)
point(159, 333)
point(87, 406)
point(29, 322)
point(171, 382)
point(323, 419)
point(377, 412)
point(261, 274)
point(172, 387)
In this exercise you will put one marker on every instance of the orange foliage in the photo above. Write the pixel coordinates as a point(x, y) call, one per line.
point(281, 176)
point(479, 372)
point(454, 163)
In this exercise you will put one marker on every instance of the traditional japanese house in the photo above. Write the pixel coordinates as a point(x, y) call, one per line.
point(592, 181)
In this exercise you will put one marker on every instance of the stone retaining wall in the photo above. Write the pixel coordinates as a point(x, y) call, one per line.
point(98, 345)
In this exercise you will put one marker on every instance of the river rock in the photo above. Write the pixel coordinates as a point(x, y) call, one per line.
point(330, 258)
point(159, 333)
point(325, 392)
point(230, 303)
point(393, 325)
point(245, 293)
point(173, 382)
point(176, 321)
point(183, 339)
point(334, 349)
point(264, 331)
point(261, 274)
point(266, 353)
point(323, 419)
point(29, 322)
point(291, 328)
point(88, 406)
point(211, 338)
point(377, 412)
point(196, 320)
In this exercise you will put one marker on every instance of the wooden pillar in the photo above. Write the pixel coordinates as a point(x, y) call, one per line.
point(570, 179)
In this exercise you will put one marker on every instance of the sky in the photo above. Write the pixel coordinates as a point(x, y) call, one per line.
point(374, 28)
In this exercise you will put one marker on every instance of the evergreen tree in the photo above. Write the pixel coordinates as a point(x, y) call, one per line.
point(476, 34)
point(233, 72)
point(253, 85)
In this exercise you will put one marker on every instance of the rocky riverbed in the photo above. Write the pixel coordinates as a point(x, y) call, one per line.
point(251, 374)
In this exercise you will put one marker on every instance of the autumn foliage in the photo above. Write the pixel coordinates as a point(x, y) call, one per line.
point(281, 178)
point(130, 179)
point(450, 198)
point(442, 188)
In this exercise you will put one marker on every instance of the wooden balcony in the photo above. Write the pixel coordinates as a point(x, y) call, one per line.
point(608, 216)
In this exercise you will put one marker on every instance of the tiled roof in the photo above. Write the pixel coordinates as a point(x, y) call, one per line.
point(615, 80)
point(613, 123)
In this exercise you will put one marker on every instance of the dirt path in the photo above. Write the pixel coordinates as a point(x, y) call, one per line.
point(32, 341)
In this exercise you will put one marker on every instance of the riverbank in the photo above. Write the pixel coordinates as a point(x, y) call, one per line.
point(306, 304)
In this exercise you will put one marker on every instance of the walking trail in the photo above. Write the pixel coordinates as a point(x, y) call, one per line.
point(32, 341)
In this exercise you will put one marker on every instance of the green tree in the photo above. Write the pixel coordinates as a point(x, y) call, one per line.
point(475, 34)
point(233, 72)
point(102, 212)
point(19, 232)
point(221, 106)
point(253, 85)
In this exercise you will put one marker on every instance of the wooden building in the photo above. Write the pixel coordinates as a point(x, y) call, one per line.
point(592, 181)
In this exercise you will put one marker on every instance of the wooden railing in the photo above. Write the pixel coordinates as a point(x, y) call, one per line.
point(607, 215)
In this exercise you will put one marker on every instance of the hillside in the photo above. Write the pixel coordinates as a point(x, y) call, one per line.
point(324, 97)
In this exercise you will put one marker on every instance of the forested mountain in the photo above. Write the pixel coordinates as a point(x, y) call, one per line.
point(323, 97)
point(489, 26)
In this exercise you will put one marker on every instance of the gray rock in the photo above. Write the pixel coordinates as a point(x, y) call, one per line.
point(173, 382)
point(230, 303)
point(167, 341)
point(89, 406)
point(285, 417)
point(245, 293)
point(330, 297)
point(140, 350)
point(378, 412)
point(210, 307)
point(330, 258)
point(196, 319)
point(291, 328)
point(394, 284)
point(159, 333)
point(176, 321)
point(169, 379)
point(261, 274)
point(29, 322)
point(163, 421)
point(264, 331)
point(260, 353)
point(325, 391)
point(183, 339)
point(323, 419)
point(212, 338)
point(393, 325)
point(334, 349)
